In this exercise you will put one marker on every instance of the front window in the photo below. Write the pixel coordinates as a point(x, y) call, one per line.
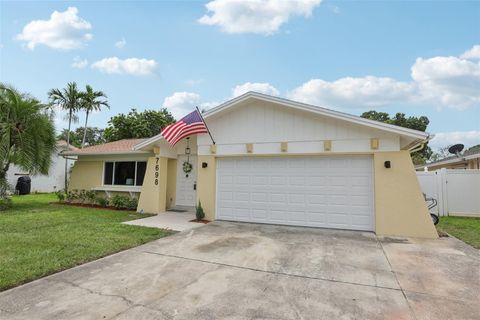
point(124, 173)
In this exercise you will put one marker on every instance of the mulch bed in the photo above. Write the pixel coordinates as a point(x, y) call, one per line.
point(200, 221)
point(94, 206)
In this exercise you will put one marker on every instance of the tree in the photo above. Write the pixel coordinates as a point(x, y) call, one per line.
point(27, 134)
point(475, 148)
point(137, 124)
point(440, 154)
point(91, 102)
point(416, 123)
point(93, 136)
point(68, 99)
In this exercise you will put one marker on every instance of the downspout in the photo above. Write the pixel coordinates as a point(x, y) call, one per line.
point(420, 147)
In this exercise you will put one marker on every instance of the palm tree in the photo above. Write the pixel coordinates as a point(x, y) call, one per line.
point(90, 102)
point(68, 99)
point(27, 134)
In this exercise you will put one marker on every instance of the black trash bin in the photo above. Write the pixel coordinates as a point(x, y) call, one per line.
point(24, 184)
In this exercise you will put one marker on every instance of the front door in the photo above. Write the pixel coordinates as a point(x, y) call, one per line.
point(186, 183)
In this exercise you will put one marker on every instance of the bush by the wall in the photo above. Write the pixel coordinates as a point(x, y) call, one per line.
point(132, 204)
point(119, 201)
point(90, 196)
point(72, 195)
point(199, 213)
point(103, 202)
point(82, 196)
point(60, 195)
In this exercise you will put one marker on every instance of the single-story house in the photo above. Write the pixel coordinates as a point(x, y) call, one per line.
point(274, 161)
point(51, 182)
point(468, 160)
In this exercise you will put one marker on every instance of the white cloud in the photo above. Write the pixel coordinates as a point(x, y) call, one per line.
point(121, 43)
point(131, 66)
point(181, 103)
point(255, 16)
point(440, 81)
point(443, 139)
point(353, 92)
point(255, 86)
point(79, 63)
point(473, 53)
point(448, 81)
point(64, 30)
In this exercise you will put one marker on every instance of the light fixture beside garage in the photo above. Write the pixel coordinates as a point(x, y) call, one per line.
point(387, 164)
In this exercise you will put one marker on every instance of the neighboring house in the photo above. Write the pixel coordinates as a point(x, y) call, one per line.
point(55, 179)
point(275, 161)
point(468, 160)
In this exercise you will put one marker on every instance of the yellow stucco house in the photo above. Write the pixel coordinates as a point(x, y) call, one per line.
point(275, 161)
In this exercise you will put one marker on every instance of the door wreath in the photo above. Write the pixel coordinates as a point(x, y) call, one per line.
point(187, 167)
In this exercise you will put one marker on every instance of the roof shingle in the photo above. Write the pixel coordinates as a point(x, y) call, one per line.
point(120, 146)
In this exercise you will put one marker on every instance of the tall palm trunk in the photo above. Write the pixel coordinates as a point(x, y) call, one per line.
point(85, 130)
point(68, 148)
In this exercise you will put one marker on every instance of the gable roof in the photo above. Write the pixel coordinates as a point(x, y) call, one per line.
point(417, 137)
point(115, 147)
point(317, 110)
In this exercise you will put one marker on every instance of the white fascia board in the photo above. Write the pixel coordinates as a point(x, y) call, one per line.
point(321, 111)
point(147, 142)
point(105, 153)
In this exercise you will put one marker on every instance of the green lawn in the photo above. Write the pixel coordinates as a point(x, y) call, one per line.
point(38, 238)
point(465, 229)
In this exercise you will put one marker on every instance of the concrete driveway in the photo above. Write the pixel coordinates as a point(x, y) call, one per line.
point(246, 271)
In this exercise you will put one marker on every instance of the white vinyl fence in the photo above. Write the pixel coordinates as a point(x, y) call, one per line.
point(456, 190)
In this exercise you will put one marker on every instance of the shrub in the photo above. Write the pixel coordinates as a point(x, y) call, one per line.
point(72, 195)
point(60, 195)
point(132, 204)
point(199, 213)
point(103, 202)
point(90, 196)
point(5, 203)
point(119, 201)
point(82, 195)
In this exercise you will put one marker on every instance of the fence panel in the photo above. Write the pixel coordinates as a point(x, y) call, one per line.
point(463, 192)
point(456, 190)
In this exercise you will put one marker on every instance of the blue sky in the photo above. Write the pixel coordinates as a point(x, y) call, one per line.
point(420, 58)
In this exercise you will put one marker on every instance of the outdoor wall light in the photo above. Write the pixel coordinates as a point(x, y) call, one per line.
point(387, 164)
point(187, 149)
point(204, 164)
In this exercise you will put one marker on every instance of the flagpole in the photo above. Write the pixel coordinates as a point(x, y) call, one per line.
point(198, 110)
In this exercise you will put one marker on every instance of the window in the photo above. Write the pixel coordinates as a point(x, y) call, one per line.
point(124, 173)
point(108, 173)
point(141, 168)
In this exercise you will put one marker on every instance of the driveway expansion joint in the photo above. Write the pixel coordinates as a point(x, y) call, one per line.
point(270, 272)
point(396, 278)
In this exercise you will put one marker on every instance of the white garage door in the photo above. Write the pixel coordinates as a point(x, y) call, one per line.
point(330, 192)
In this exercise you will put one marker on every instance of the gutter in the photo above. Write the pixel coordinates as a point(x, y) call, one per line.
point(422, 145)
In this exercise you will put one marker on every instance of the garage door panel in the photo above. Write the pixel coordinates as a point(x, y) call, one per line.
point(334, 192)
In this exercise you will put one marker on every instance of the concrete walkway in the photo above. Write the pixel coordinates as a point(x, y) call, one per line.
point(247, 271)
point(178, 221)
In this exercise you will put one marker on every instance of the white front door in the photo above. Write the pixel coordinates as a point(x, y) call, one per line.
point(330, 192)
point(186, 193)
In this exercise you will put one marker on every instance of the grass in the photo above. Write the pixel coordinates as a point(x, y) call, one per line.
point(465, 229)
point(38, 238)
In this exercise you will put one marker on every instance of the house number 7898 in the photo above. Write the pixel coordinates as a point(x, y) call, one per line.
point(156, 171)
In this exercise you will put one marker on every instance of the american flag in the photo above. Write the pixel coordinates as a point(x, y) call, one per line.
point(189, 125)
